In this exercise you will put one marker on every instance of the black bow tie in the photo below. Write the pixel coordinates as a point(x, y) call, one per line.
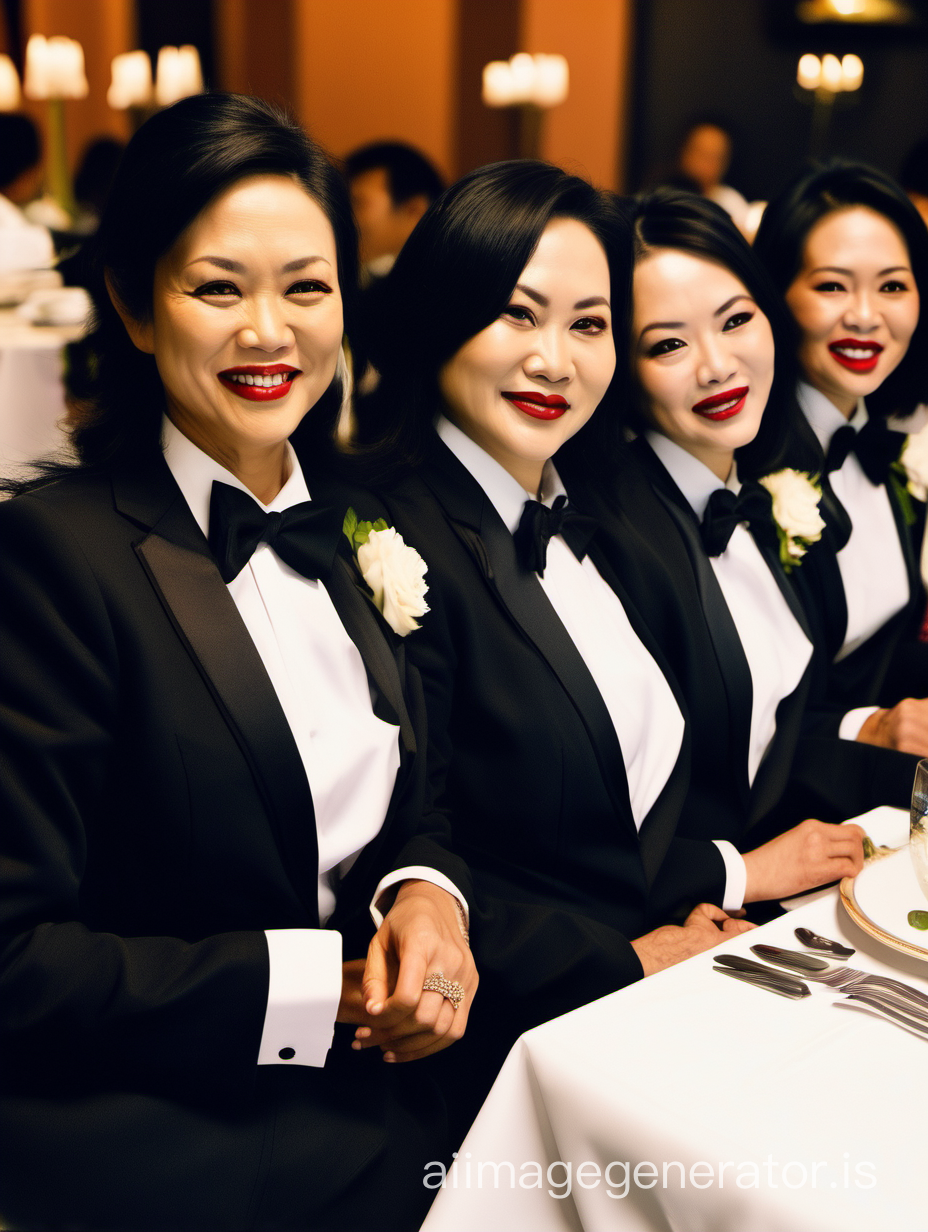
point(725, 511)
point(305, 536)
point(877, 448)
point(539, 523)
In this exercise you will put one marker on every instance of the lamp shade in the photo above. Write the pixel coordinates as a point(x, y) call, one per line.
point(55, 68)
point(9, 85)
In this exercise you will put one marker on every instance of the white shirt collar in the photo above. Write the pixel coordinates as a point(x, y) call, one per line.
point(506, 494)
point(692, 477)
point(195, 471)
point(824, 417)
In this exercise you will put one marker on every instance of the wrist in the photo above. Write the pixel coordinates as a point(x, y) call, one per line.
point(441, 898)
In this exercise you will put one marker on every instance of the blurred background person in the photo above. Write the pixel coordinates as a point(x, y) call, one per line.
point(22, 245)
point(392, 185)
point(94, 177)
point(703, 160)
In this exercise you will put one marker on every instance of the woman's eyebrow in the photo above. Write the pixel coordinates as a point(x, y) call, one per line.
point(682, 324)
point(836, 269)
point(236, 267)
point(729, 302)
point(592, 302)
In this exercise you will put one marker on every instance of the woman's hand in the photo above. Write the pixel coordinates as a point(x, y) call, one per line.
point(814, 853)
point(421, 935)
point(904, 727)
point(705, 926)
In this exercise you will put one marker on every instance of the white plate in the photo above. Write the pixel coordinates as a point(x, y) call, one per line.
point(879, 899)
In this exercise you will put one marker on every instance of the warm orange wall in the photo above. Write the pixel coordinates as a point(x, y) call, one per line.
point(370, 69)
point(104, 28)
point(587, 132)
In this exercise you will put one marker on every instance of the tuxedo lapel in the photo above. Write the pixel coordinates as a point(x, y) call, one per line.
point(483, 532)
point(912, 564)
point(659, 826)
point(370, 635)
point(729, 652)
point(177, 561)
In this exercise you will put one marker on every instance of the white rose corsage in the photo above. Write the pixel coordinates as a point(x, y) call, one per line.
point(909, 474)
point(394, 572)
point(796, 497)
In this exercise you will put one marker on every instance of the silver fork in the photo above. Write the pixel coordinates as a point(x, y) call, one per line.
point(845, 978)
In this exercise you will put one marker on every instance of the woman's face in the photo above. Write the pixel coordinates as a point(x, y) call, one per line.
point(525, 384)
point(247, 318)
point(703, 354)
point(856, 303)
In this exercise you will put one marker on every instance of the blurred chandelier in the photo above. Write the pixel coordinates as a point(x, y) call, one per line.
point(870, 12)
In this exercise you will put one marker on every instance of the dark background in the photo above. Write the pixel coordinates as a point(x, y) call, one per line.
point(736, 60)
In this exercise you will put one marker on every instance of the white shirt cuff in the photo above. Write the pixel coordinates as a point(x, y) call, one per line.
point(302, 997)
point(736, 875)
point(854, 720)
point(415, 872)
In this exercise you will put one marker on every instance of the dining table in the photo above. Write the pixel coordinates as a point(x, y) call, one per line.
point(691, 1101)
point(32, 397)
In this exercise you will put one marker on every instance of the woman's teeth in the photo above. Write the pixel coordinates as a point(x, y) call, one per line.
point(245, 378)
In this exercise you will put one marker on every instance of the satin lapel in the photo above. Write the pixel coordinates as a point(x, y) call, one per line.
point(659, 826)
point(177, 561)
point(912, 564)
point(774, 771)
point(830, 589)
point(728, 649)
point(529, 607)
point(367, 630)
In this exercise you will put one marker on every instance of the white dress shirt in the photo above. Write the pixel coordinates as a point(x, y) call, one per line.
point(776, 648)
point(642, 707)
point(350, 756)
point(876, 584)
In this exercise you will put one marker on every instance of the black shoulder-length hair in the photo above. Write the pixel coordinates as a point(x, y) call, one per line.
point(822, 189)
point(670, 218)
point(173, 167)
point(453, 278)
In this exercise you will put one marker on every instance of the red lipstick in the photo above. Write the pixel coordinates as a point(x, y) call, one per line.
point(856, 354)
point(539, 406)
point(259, 382)
point(724, 405)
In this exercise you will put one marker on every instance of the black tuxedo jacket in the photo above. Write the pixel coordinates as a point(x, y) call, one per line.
point(156, 813)
point(802, 774)
point(534, 779)
point(892, 663)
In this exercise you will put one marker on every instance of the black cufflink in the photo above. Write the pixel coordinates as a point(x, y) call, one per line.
point(287, 1054)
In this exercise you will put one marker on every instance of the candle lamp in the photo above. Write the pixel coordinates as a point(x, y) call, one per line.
point(9, 85)
point(178, 75)
point(824, 81)
point(55, 73)
point(533, 83)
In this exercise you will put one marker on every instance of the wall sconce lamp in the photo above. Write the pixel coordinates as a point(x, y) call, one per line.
point(822, 80)
point(534, 84)
point(55, 72)
point(10, 94)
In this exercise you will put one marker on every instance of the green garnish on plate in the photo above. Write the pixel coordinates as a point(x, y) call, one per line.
point(918, 919)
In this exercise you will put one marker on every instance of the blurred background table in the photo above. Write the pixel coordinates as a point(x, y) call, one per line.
point(32, 403)
point(819, 1111)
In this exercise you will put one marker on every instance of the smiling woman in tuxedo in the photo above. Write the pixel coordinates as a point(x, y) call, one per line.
point(556, 731)
point(700, 387)
point(850, 253)
point(211, 772)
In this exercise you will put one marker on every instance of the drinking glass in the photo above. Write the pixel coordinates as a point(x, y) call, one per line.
point(918, 825)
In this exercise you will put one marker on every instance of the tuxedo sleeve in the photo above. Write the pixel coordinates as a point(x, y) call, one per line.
point(153, 1012)
point(535, 959)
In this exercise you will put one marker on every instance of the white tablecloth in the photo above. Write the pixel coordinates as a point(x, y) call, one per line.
point(742, 1111)
point(31, 391)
